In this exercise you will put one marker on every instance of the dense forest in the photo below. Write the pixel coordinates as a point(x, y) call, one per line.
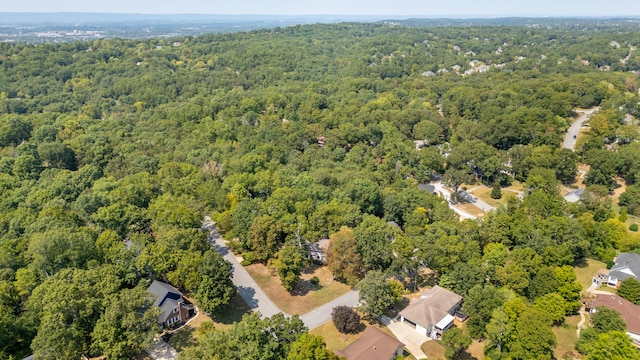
point(113, 151)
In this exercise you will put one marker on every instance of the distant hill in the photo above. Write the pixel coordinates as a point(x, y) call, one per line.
point(92, 18)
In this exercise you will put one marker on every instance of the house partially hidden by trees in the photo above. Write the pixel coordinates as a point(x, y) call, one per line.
point(574, 196)
point(317, 251)
point(629, 312)
point(374, 344)
point(433, 312)
point(627, 265)
point(175, 309)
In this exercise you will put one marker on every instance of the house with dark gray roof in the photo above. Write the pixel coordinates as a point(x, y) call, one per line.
point(174, 308)
point(627, 265)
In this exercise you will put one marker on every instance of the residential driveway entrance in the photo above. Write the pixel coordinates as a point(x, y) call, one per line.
point(409, 336)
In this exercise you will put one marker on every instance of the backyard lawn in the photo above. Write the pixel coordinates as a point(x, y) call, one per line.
point(476, 350)
point(566, 337)
point(188, 334)
point(305, 296)
point(433, 350)
point(586, 269)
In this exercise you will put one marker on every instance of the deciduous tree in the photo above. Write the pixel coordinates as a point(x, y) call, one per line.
point(455, 341)
point(376, 294)
point(345, 319)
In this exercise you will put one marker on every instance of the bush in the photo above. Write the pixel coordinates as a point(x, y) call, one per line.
point(345, 319)
point(496, 193)
point(623, 215)
point(245, 263)
point(249, 256)
point(633, 227)
point(315, 280)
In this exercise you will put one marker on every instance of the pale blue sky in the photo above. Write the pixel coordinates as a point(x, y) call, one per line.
point(430, 8)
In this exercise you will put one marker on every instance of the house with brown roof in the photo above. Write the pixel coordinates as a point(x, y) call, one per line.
point(374, 344)
point(629, 311)
point(433, 312)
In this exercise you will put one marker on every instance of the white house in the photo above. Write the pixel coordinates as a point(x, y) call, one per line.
point(433, 312)
point(627, 265)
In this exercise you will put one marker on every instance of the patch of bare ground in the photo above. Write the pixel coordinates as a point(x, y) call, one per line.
point(621, 186)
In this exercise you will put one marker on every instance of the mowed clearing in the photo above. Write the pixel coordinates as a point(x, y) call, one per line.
point(305, 296)
point(586, 269)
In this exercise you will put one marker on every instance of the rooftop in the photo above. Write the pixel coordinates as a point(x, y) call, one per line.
point(432, 306)
point(574, 196)
point(627, 265)
point(630, 313)
point(372, 345)
point(166, 297)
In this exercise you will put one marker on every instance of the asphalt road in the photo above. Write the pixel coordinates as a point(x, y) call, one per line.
point(571, 136)
point(440, 188)
point(247, 288)
point(321, 315)
point(257, 299)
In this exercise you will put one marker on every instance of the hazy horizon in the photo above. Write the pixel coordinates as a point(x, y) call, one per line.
point(398, 8)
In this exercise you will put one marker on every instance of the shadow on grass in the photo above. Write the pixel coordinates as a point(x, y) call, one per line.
point(232, 312)
point(183, 338)
point(466, 356)
point(581, 263)
point(304, 287)
point(311, 267)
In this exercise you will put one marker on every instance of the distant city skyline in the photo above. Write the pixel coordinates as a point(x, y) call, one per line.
point(405, 8)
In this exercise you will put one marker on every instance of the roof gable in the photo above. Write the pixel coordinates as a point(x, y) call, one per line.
point(374, 344)
point(431, 307)
point(167, 298)
point(627, 265)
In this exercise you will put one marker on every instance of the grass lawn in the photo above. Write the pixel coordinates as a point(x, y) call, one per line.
point(232, 313)
point(305, 296)
point(336, 340)
point(566, 337)
point(515, 186)
point(605, 288)
point(586, 269)
point(476, 350)
point(185, 337)
point(470, 209)
point(433, 349)
point(188, 334)
point(484, 193)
